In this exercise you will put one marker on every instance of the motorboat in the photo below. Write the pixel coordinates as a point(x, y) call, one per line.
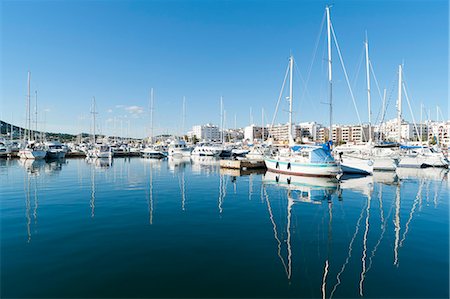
point(32, 150)
point(178, 148)
point(55, 150)
point(204, 150)
point(100, 151)
point(422, 157)
point(153, 152)
point(5, 149)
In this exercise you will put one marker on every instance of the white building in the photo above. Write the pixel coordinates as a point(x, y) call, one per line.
point(308, 130)
point(206, 132)
point(408, 131)
point(252, 133)
point(439, 132)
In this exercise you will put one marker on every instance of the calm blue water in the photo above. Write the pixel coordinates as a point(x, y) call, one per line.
point(148, 228)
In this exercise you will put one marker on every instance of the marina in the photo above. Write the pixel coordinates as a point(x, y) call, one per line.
point(138, 226)
point(224, 149)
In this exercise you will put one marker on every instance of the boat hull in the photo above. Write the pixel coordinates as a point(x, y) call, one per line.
point(384, 164)
point(32, 154)
point(56, 155)
point(420, 161)
point(351, 165)
point(303, 169)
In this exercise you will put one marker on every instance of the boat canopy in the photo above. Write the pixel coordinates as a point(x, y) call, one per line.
point(320, 155)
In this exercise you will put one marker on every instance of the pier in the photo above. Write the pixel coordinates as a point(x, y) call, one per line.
point(242, 164)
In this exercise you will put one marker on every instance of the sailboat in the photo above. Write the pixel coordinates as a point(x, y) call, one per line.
point(152, 151)
point(303, 160)
point(416, 156)
point(31, 150)
point(98, 150)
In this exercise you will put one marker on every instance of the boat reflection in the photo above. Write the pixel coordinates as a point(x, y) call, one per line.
point(54, 166)
point(175, 162)
point(423, 173)
point(31, 191)
point(32, 166)
point(100, 162)
point(303, 189)
point(371, 227)
point(205, 165)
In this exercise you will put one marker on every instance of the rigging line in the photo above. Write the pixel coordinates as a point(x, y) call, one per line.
point(316, 47)
point(350, 248)
point(391, 90)
point(346, 77)
point(279, 98)
point(297, 69)
point(355, 78)
point(376, 81)
point(410, 109)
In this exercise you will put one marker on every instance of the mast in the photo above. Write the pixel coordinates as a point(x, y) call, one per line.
point(330, 134)
point(93, 119)
point(35, 114)
point(151, 116)
point(399, 105)
point(262, 125)
point(291, 68)
point(368, 89)
point(421, 124)
point(28, 114)
point(221, 119)
point(381, 131)
point(184, 116)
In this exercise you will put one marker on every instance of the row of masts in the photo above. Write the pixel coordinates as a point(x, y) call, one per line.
point(330, 88)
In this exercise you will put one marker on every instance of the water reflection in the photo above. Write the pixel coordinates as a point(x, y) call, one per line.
point(317, 191)
point(355, 222)
point(31, 193)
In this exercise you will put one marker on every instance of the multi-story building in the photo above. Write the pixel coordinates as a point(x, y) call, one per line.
point(281, 132)
point(439, 132)
point(206, 132)
point(323, 134)
point(254, 132)
point(308, 131)
point(408, 131)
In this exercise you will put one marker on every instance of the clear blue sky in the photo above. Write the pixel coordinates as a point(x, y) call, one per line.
point(118, 50)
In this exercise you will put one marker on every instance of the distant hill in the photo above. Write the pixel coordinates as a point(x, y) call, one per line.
point(5, 130)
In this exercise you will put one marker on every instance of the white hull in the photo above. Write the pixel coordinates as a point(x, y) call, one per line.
point(354, 165)
point(286, 166)
point(180, 152)
point(103, 155)
point(32, 154)
point(152, 153)
point(422, 161)
point(204, 151)
point(384, 163)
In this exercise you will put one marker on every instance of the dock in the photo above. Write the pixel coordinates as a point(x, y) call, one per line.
point(242, 164)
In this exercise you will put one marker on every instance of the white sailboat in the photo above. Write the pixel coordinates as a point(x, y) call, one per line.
point(152, 151)
point(99, 150)
point(31, 149)
point(416, 156)
point(304, 160)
